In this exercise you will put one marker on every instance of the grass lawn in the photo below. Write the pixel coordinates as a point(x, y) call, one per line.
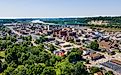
point(2, 53)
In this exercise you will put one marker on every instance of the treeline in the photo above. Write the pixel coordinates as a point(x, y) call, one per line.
point(111, 20)
point(107, 18)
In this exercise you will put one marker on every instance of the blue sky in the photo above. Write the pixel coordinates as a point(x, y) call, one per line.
point(59, 8)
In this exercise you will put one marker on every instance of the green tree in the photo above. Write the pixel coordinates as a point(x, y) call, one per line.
point(74, 57)
point(77, 50)
point(20, 70)
point(34, 50)
point(94, 45)
point(80, 69)
point(65, 68)
point(38, 69)
point(24, 57)
point(13, 39)
point(94, 70)
point(43, 57)
point(40, 40)
point(49, 71)
point(51, 61)
point(52, 48)
point(9, 71)
point(1, 66)
point(109, 73)
point(30, 38)
point(4, 66)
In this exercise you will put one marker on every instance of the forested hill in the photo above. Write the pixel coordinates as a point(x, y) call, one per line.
point(85, 21)
point(104, 20)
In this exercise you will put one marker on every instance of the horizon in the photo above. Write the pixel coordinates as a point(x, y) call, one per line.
point(58, 8)
point(59, 17)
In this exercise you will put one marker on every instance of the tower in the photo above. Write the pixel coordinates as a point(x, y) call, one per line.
point(48, 27)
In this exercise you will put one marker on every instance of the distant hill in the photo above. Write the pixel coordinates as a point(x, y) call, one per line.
point(104, 20)
point(113, 21)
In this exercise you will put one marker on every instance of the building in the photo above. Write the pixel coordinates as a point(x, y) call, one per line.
point(98, 73)
point(96, 56)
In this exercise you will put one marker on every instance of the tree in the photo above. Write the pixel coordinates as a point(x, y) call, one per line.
point(52, 48)
point(74, 57)
point(37, 69)
point(9, 71)
point(80, 69)
point(13, 39)
point(109, 73)
point(4, 66)
point(1, 66)
point(24, 57)
point(30, 38)
point(65, 68)
point(94, 45)
point(94, 70)
point(34, 50)
point(51, 61)
point(40, 40)
point(13, 64)
point(43, 57)
point(77, 50)
point(41, 47)
point(49, 71)
point(20, 70)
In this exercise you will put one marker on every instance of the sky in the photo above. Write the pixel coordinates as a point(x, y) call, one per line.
point(59, 8)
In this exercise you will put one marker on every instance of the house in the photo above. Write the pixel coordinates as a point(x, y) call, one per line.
point(49, 38)
point(96, 56)
point(110, 52)
point(87, 52)
point(49, 32)
point(65, 46)
point(98, 73)
point(77, 40)
point(59, 52)
point(72, 34)
point(105, 37)
point(103, 49)
point(104, 44)
point(68, 29)
point(63, 33)
point(116, 61)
